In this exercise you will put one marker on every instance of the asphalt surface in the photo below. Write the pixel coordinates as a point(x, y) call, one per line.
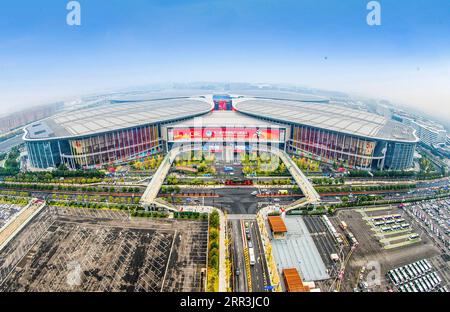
point(239, 282)
point(259, 271)
point(239, 200)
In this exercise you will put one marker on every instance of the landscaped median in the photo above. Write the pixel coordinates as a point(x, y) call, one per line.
point(213, 252)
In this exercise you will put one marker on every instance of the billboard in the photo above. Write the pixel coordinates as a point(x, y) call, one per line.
point(226, 134)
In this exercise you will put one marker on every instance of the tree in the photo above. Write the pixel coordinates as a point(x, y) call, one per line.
point(214, 261)
point(214, 219)
point(213, 234)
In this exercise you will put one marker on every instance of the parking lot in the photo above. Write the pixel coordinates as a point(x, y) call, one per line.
point(434, 218)
point(101, 250)
point(7, 211)
point(371, 251)
point(391, 229)
point(418, 276)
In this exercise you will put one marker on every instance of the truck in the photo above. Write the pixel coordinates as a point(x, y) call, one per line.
point(343, 225)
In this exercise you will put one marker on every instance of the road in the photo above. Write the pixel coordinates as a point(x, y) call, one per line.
point(239, 282)
point(236, 200)
point(255, 277)
point(259, 271)
point(5, 146)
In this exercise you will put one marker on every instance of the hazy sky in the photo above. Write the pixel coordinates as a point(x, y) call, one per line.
point(322, 44)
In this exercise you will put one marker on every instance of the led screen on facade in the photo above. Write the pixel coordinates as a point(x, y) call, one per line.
point(226, 134)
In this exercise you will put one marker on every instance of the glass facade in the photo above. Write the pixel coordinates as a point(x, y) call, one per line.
point(137, 142)
point(44, 154)
point(399, 155)
point(105, 148)
point(330, 146)
point(113, 147)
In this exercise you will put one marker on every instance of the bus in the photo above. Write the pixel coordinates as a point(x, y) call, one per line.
point(421, 266)
point(430, 285)
point(406, 273)
point(413, 270)
point(394, 278)
point(410, 272)
point(424, 286)
point(437, 277)
point(399, 276)
point(418, 286)
point(418, 269)
point(425, 265)
point(430, 280)
point(428, 264)
point(251, 253)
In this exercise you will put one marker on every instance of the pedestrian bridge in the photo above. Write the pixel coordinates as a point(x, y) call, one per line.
point(149, 198)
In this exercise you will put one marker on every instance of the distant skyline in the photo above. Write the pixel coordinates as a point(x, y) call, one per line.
point(315, 43)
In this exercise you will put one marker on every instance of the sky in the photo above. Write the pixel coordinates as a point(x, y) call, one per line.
point(314, 43)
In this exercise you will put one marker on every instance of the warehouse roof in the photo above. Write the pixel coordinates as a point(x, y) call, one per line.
point(329, 117)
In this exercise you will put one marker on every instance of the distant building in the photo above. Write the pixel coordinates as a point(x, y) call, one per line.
point(384, 110)
point(16, 120)
point(429, 133)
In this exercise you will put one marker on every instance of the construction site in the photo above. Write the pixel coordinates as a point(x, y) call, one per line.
point(66, 249)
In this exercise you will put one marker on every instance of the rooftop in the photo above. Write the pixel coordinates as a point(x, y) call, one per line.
point(225, 119)
point(277, 224)
point(329, 117)
point(298, 250)
point(116, 115)
point(293, 281)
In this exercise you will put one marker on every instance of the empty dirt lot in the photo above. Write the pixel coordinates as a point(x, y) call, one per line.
point(89, 250)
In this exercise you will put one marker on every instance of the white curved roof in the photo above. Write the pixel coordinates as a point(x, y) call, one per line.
point(115, 116)
point(329, 117)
